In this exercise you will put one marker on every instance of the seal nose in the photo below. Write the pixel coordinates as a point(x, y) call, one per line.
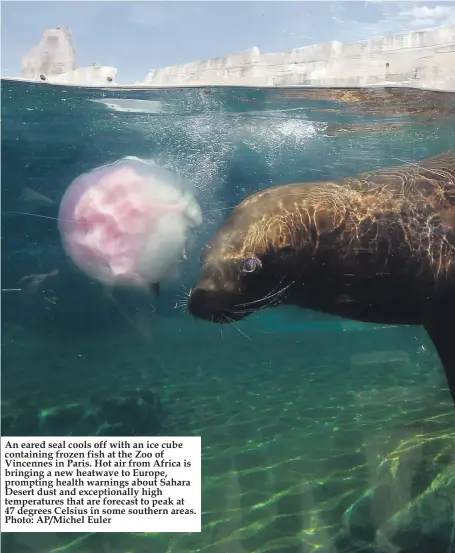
point(202, 304)
point(214, 305)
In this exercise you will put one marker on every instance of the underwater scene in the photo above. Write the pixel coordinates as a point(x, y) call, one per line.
point(320, 433)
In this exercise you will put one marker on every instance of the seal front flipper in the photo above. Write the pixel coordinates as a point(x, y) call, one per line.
point(440, 325)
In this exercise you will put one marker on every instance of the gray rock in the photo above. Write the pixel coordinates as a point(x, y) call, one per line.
point(410, 506)
point(425, 524)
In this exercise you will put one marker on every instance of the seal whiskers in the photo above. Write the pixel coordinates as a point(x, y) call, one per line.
point(229, 320)
point(271, 295)
point(274, 299)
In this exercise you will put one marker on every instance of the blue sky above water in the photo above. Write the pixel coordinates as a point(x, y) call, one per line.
point(138, 36)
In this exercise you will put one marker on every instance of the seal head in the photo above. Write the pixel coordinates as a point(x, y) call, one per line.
point(238, 276)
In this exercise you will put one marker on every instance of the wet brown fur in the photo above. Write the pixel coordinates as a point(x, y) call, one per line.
point(409, 208)
point(376, 247)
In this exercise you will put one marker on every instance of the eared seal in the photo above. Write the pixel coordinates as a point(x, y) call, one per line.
point(376, 247)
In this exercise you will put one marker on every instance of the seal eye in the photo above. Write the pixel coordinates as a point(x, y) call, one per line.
point(250, 264)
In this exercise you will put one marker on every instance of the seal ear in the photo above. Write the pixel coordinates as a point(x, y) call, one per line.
point(287, 249)
point(285, 243)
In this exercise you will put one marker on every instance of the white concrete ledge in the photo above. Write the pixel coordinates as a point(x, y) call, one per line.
point(85, 76)
point(424, 59)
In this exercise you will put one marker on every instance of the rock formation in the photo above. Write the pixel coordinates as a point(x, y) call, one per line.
point(54, 61)
point(420, 58)
point(55, 54)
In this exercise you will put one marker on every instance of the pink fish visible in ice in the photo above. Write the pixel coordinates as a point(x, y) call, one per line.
point(127, 223)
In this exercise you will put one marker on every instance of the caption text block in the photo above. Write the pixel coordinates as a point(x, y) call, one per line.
point(101, 484)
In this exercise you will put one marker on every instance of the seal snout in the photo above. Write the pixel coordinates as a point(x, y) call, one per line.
point(209, 305)
point(203, 303)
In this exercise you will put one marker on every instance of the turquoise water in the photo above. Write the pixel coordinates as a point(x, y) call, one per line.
point(319, 434)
